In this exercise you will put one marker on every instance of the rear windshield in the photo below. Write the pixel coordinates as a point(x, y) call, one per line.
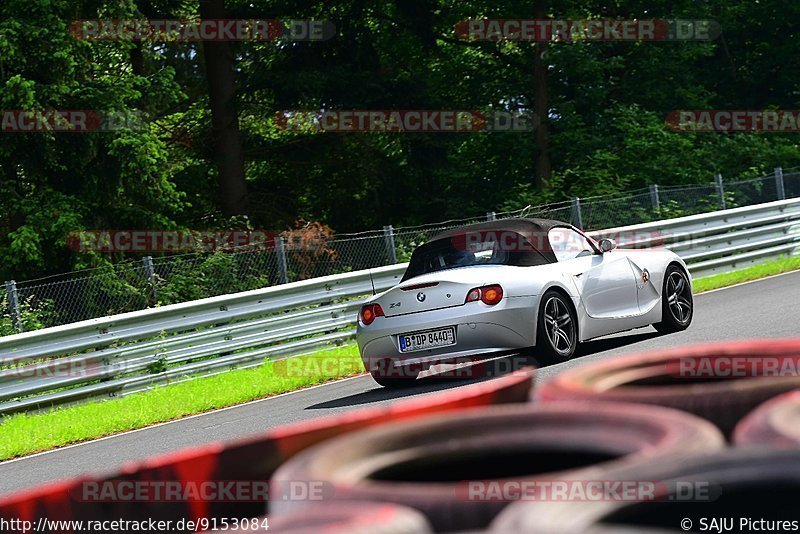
point(452, 253)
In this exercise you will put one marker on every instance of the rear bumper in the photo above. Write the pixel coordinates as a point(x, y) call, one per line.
point(480, 329)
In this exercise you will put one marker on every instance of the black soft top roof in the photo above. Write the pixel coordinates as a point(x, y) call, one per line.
point(533, 229)
point(512, 225)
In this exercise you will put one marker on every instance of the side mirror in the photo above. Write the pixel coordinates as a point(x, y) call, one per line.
point(607, 245)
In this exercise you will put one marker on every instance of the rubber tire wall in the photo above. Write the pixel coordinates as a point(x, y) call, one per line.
point(423, 463)
point(755, 483)
point(662, 378)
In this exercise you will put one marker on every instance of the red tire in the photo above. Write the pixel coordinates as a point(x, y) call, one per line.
point(428, 463)
point(775, 423)
point(350, 518)
point(688, 492)
point(698, 379)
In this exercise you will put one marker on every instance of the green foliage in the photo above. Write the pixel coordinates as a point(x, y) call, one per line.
point(32, 315)
point(762, 270)
point(114, 289)
point(216, 274)
point(54, 183)
point(606, 102)
point(158, 366)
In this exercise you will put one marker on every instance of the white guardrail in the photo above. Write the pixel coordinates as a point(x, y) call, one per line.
point(121, 354)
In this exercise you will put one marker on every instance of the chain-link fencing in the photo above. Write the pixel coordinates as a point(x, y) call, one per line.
point(170, 279)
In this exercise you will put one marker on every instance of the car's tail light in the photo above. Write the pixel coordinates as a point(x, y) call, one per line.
point(473, 295)
point(490, 295)
point(369, 312)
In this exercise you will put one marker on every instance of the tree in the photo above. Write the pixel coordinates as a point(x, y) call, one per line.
point(220, 65)
point(541, 109)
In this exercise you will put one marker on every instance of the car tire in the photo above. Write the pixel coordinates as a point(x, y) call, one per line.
point(677, 378)
point(775, 423)
point(392, 382)
point(427, 464)
point(557, 327)
point(388, 375)
point(677, 302)
point(689, 491)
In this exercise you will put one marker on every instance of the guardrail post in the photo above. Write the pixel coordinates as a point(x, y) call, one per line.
point(13, 305)
point(577, 217)
point(150, 273)
point(654, 198)
point(720, 190)
point(779, 183)
point(491, 216)
point(388, 237)
point(280, 253)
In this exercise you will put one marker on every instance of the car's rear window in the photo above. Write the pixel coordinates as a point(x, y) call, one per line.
point(452, 253)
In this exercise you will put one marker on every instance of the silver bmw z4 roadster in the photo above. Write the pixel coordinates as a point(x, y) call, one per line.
point(515, 284)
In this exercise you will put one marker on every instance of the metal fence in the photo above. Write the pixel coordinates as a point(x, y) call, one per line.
point(117, 355)
point(131, 286)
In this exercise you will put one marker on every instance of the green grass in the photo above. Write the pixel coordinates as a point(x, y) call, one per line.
point(23, 434)
point(783, 265)
point(29, 433)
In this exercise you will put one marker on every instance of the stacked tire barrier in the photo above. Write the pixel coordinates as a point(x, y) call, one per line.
point(750, 484)
point(746, 389)
point(657, 442)
point(423, 463)
point(720, 382)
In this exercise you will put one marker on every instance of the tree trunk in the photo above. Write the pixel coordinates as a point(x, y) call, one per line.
point(542, 167)
point(137, 59)
point(220, 63)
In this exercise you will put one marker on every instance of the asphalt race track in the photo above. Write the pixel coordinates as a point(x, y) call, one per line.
point(768, 308)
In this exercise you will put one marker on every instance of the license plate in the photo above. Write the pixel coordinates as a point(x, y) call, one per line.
point(429, 339)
